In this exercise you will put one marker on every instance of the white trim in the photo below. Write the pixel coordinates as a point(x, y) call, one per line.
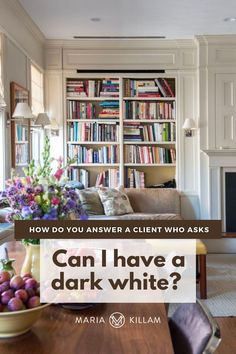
point(99, 43)
point(26, 20)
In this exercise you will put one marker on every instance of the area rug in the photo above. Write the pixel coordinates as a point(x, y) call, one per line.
point(221, 285)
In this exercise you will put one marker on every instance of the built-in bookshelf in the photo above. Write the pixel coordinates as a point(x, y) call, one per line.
point(20, 130)
point(121, 130)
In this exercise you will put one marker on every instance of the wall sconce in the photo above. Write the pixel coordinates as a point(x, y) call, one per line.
point(22, 111)
point(188, 126)
point(42, 120)
point(54, 127)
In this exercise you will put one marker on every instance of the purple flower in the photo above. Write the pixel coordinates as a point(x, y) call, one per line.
point(19, 184)
point(38, 189)
point(29, 190)
point(11, 191)
point(26, 212)
point(71, 204)
point(51, 189)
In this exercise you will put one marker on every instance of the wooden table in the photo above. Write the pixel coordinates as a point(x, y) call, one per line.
point(57, 331)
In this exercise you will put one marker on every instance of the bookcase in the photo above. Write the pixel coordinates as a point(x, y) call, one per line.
point(121, 129)
point(20, 130)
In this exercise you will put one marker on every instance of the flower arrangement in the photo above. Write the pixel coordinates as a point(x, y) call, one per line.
point(42, 194)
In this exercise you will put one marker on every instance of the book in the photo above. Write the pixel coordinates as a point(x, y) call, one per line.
point(149, 154)
point(93, 131)
point(149, 110)
point(109, 178)
point(85, 155)
point(135, 178)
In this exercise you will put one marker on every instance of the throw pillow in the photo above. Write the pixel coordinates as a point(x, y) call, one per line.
point(90, 201)
point(115, 201)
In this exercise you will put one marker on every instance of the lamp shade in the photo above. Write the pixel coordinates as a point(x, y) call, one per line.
point(189, 124)
point(42, 119)
point(22, 110)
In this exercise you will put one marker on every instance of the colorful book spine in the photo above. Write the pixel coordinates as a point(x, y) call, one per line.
point(149, 110)
point(109, 178)
point(85, 155)
point(94, 132)
point(149, 155)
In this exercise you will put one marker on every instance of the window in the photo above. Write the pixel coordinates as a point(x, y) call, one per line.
point(37, 104)
point(37, 90)
point(2, 129)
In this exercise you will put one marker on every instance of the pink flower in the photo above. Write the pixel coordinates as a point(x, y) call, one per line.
point(55, 201)
point(59, 173)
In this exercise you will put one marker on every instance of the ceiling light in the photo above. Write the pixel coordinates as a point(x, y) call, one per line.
point(95, 19)
point(230, 19)
point(119, 37)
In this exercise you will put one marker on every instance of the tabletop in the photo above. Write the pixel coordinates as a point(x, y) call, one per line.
point(143, 328)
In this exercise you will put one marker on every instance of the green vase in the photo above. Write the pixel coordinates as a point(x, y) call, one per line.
point(6, 265)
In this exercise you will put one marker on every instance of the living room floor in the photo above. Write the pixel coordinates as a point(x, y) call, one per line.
point(228, 330)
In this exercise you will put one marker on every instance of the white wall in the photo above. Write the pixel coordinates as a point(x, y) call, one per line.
point(18, 26)
point(15, 65)
point(22, 42)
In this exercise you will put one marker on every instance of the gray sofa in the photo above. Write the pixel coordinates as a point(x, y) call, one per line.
point(150, 204)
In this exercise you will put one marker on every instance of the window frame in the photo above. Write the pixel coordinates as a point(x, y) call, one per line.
point(38, 142)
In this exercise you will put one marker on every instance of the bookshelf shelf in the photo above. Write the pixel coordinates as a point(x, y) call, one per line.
point(149, 142)
point(149, 121)
point(159, 99)
point(94, 165)
point(150, 164)
point(93, 142)
point(91, 99)
point(92, 118)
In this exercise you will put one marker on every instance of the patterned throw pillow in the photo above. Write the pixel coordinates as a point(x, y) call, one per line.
point(91, 202)
point(115, 201)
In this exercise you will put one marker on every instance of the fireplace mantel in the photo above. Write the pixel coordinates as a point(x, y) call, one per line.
point(220, 152)
point(221, 157)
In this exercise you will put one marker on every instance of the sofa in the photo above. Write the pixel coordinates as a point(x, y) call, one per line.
point(149, 204)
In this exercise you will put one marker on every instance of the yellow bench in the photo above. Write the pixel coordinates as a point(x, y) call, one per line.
point(201, 252)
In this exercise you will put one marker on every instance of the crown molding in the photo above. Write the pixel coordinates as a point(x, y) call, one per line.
point(220, 39)
point(26, 20)
point(126, 43)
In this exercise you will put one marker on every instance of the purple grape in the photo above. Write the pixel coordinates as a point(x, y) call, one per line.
point(22, 295)
point(4, 286)
point(33, 302)
point(25, 278)
point(30, 292)
point(31, 284)
point(16, 282)
point(6, 296)
point(15, 304)
point(4, 276)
